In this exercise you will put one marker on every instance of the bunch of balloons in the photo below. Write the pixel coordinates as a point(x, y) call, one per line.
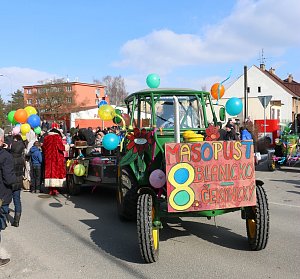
point(24, 120)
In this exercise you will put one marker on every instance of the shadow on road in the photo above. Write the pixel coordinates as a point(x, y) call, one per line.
point(218, 235)
point(118, 239)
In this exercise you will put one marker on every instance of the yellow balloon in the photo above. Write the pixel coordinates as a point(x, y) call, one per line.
point(23, 137)
point(79, 170)
point(30, 110)
point(106, 112)
point(25, 128)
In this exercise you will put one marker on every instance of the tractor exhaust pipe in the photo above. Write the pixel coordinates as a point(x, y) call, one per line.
point(176, 120)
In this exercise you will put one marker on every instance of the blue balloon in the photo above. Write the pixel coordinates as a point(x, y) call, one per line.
point(34, 120)
point(234, 106)
point(153, 80)
point(110, 141)
point(101, 103)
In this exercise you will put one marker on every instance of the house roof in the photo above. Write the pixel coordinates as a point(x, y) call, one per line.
point(292, 88)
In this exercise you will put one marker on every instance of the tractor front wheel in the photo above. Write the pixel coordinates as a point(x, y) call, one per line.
point(148, 235)
point(258, 224)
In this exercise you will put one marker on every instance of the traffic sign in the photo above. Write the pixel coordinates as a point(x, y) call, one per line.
point(265, 100)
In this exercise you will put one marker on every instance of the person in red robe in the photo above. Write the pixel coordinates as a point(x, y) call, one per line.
point(55, 171)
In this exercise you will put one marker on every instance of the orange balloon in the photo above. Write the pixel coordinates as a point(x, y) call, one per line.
point(214, 91)
point(21, 115)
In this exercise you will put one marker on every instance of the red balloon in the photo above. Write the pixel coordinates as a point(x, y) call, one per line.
point(214, 91)
point(21, 115)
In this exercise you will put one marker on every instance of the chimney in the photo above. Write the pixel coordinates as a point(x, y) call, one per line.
point(290, 78)
point(262, 67)
point(272, 71)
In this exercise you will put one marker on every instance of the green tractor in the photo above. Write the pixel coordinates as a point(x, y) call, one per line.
point(173, 165)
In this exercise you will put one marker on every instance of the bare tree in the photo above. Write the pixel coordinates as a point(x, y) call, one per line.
point(115, 89)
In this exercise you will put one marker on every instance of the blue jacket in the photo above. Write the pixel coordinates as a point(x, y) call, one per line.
point(246, 135)
point(36, 156)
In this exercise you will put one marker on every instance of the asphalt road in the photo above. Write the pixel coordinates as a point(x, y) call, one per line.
point(83, 238)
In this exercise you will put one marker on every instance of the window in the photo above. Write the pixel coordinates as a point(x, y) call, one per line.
point(68, 88)
point(248, 89)
point(69, 100)
point(258, 89)
point(190, 112)
point(29, 101)
point(29, 91)
point(273, 114)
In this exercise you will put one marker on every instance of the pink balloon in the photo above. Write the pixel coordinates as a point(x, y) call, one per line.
point(157, 178)
point(16, 130)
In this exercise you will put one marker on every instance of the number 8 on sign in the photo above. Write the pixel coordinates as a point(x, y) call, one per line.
point(180, 177)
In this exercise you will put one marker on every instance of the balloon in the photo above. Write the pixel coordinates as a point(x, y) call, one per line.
point(110, 141)
point(106, 112)
point(117, 119)
point(102, 103)
point(23, 137)
point(34, 120)
point(21, 115)
point(37, 130)
point(16, 130)
point(79, 170)
point(25, 128)
point(214, 91)
point(30, 110)
point(157, 178)
point(10, 116)
point(153, 80)
point(234, 106)
point(18, 124)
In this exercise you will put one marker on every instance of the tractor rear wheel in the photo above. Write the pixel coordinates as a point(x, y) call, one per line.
point(127, 195)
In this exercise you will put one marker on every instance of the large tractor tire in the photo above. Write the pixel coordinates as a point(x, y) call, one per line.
point(258, 223)
point(73, 188)
point(148, 235)
point(127, 195)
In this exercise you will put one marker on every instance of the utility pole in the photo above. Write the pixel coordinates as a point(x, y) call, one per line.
point(245, 94)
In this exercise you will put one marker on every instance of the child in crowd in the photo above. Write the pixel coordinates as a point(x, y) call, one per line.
point(36, 161)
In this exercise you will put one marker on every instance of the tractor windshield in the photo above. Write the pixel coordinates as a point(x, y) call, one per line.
point(190, 112)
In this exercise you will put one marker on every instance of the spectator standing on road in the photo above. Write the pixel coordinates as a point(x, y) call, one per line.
point(230, 132)
point(31, 138)
point(17, 151)
point(36, 162)
point(7, 178)
point(55, 170)
point(45, 125)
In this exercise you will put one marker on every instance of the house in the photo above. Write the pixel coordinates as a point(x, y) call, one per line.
point(55, 100)
point(285, 94)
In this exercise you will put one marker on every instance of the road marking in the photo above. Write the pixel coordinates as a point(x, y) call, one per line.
point(290, 205)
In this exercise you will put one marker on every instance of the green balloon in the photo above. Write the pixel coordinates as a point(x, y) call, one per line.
point(37, 130)
point(153, 80)
point(10, 116)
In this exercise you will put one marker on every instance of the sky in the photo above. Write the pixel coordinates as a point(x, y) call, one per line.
point(189, 44)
